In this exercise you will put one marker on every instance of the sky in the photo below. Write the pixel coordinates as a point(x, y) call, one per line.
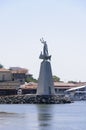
point(62, 24)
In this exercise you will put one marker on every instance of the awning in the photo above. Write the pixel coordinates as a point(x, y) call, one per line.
point(75, 88)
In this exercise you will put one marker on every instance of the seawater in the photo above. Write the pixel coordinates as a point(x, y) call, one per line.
point(43, 117)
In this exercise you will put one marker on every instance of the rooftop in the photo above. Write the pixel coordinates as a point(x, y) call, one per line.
point(61, 85)
point(4, 70)
point(18, 70)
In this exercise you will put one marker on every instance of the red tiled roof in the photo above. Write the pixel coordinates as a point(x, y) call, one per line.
point(18, 70)
point(62, 84)
point(4, 70)
point(29, 86)
point(59, 85)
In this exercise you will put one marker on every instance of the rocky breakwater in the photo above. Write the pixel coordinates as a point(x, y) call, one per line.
point(34, 99)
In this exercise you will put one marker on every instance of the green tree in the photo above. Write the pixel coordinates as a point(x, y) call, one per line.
point(1, 66)
point(30, 79)
point(56, 78)
point(74, 82)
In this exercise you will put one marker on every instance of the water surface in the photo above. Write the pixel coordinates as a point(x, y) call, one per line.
point(43, 117)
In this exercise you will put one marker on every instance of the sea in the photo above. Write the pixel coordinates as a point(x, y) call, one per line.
point(43, 117)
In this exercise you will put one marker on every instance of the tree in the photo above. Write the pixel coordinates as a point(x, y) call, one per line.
point(1, 66)
point(56, 79)
point(74, 82)
point(30, 79)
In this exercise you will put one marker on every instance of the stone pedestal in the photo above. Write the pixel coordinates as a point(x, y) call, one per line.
point(45, 81)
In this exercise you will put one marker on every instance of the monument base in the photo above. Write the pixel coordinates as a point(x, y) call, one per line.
point(45, 81)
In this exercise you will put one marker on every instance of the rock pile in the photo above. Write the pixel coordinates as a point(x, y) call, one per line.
point(34, 99)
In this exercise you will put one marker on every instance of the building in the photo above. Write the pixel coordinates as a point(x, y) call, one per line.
point(9, 88)
point(77, 93)
point(29, 88)
point(5, 75)
point(10, 80)
point(18, 74)
point(60, 87)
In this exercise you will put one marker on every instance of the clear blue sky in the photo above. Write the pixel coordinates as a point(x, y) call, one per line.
point(62, 23)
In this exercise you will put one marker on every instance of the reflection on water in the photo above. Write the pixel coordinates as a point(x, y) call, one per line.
point(7, 114)
point(10, 120)
point(44, 116)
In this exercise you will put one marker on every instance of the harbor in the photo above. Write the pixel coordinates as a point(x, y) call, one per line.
point(42, 65)
point(45, 90)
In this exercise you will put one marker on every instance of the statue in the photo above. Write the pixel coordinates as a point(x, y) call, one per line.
point(45, 54)
point(45, 49)
point(45, 80)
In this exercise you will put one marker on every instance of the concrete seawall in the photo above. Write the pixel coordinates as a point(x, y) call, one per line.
point(34, 99)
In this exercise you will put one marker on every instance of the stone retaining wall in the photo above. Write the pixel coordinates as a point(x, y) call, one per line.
point(34, 99)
